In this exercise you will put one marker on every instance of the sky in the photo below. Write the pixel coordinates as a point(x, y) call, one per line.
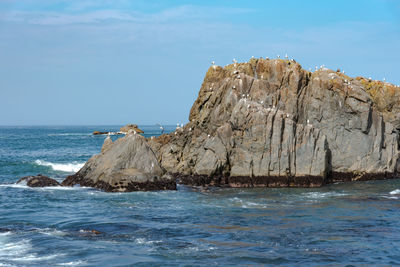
point(112, 62)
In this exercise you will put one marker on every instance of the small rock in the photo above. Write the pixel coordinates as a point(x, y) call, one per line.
point(38, 181)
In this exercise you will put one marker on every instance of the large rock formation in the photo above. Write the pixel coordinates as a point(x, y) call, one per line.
point(126, 165)
point(271, 123)
point(268, 123)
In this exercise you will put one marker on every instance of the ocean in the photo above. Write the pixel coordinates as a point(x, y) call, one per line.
point(345, 224)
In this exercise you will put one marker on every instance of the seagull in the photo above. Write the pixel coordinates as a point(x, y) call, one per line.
point(308, 121)
point(208, 135)
point(248, 106)
point(287, 115)
point(233, 87)
point(262, 102)
point(286, 56)
point(213, 65)
point(190, 129)
point(278, 56)
point(238, 76)
point(267, 58)
point(152, 137)
point(161, 127)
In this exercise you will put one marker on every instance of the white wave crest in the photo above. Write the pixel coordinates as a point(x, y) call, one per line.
point(19, 251)
point(318, 195)
point(395, 192)
point(65, 167)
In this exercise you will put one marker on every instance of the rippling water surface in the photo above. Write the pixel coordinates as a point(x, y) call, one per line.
point(343, 224)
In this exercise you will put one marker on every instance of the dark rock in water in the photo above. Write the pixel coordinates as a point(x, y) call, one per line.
point(264, 123)
point(99, 133)
point(104, 133)
point(38, 181)
point(128, 164)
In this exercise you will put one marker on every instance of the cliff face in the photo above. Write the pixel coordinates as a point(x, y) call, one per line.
point(271, 123)
point(264, 123)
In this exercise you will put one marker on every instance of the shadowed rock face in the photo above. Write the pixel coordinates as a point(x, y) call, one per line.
point(264, 123)
point(38, 181)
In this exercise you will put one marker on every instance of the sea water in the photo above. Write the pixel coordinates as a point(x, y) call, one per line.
point(355, 224)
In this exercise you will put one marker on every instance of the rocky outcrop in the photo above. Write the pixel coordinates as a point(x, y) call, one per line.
point(123, 130)
point(265, 123)
point(126, 165)
point(271, 123)
point(38, 181)
point(130, 127)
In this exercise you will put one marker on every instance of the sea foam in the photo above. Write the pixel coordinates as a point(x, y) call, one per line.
point(395, 192)
point(65, 167)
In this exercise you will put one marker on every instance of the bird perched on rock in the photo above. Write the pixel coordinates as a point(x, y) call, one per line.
point(286, 56)
point(278, 56)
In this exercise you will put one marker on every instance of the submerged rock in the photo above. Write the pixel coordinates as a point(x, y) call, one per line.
point(264, 123)
point(38, 181)
point(126, 165)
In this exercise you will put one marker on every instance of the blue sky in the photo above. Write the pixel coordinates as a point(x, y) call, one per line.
point(70, 62)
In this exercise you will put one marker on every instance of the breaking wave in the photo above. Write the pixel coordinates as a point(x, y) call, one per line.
point(65, 167)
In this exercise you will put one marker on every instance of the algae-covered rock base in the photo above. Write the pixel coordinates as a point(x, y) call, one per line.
point(263, 123)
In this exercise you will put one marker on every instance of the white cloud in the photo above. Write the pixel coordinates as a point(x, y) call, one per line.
point(99, 16)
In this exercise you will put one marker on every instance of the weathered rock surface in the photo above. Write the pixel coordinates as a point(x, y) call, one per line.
point(126, 165)
point(271, 123)
point(38, 181)
point(265, 123)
